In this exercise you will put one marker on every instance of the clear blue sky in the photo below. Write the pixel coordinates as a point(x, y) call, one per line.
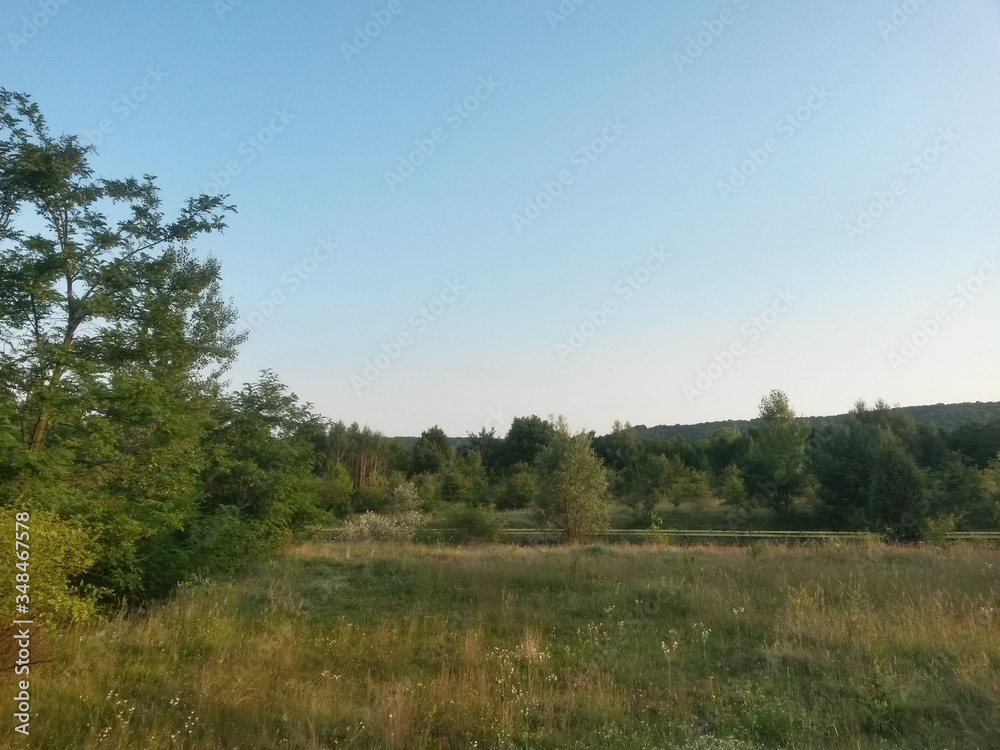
point(865, 98)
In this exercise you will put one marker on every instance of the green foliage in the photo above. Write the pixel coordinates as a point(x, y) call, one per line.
point(465, 481)
point(365, 453)
point(468, 524)
point(843, 459)
point(61, 553)
point(572, 485)
point(525, 440)
point(433, 452)
point(336, 489)
point(114, 428)
point(373, 497)
point(689, 485)
point(776, 469)
point(960, 490)
point(519, 489)
point(732, 488)
point(380, 527)
point(405, 498)
point(490, 447)
point(897, 502)
point(937, 529)
point(429, 489)
point(977, 441)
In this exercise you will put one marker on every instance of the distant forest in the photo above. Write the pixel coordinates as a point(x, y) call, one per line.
point(942, 416)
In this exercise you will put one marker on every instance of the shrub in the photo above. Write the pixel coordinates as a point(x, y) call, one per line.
point(60, 555)
point(405, 498)
point(473, 524)
point(573, 485)
point(375, 527)
point(519, 489)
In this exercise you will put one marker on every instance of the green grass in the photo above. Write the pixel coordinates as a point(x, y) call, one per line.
point(368, 646)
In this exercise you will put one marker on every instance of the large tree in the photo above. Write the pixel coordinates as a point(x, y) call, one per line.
point(97, 288)
point(113, 338)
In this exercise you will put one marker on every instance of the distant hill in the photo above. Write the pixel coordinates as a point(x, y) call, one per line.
point(945, 416)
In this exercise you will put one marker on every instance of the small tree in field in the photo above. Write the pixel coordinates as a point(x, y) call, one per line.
point(573, 485)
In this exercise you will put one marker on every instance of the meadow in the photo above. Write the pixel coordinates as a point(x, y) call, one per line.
point(362, 645)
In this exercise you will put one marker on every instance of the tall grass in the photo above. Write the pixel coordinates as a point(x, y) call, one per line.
point(387, 646)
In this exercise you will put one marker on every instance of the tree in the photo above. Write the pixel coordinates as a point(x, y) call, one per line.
point(114, 338)
point(776, 469)
point(433, 452)
point(87, 299)
point(958, 489)
point(572, 485)
point(645, 483)
point(732, 488)
point(367, 455)
point(518, 489)
point(897, 502)
point(621, 449)
point(490, 447)
point(526, 438)
point(465, 481)
point(843, 460)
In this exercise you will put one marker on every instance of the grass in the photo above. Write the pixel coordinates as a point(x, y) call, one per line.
point(368, 646)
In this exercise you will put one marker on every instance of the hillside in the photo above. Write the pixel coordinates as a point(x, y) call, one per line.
point(945, 416)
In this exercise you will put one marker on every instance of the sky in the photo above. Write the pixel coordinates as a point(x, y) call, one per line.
point(457, 213)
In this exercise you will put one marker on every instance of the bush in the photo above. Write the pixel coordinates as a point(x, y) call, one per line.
point(429, 489)
point(405, 498)
point(374, 497)
point(374, 527)
point(60, 555)
point(336, 489)
point(573, 486)
point(473, 524)
point(937, 529)
point(519, 489)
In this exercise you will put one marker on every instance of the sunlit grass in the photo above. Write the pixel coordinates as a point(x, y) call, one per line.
point(368, 646)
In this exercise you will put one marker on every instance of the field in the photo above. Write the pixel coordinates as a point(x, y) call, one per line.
point(368, 646)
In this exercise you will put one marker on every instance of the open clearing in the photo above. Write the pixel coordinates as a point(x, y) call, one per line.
point(395, 646)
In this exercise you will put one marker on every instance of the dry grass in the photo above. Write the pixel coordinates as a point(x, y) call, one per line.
point(369, 646)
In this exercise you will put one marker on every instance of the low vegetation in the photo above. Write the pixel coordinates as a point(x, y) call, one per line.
point(361, 645)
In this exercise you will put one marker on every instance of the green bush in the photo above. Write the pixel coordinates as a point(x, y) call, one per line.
point(60, 554)
point(468, 523)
